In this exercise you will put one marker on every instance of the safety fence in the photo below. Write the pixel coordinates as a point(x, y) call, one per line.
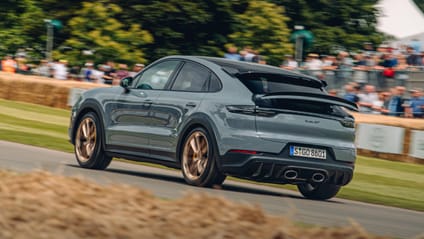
point(336, 79)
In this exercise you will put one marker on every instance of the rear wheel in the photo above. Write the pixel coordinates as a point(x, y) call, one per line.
point(198, 160)
point(318, 191)
point(88, 143)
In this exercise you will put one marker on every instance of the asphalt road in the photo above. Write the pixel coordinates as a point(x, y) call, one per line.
point(381, 220)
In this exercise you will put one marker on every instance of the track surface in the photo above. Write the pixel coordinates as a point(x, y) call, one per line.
point(377, 219)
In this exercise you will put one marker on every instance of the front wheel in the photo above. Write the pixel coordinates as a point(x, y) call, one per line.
point(319, 191)
point(198, 160)
point(88, 143)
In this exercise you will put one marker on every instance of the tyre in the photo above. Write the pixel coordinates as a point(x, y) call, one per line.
point(89, 143)
point(319, 191)
point(198, 159)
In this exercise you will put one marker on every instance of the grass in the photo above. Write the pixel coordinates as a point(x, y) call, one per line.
point(375, 181)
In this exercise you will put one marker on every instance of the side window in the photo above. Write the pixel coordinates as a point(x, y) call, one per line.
point(214, 84)
point(156, 77)
point(192, 77)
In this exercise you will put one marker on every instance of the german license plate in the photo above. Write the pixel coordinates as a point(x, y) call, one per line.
point(308, 152)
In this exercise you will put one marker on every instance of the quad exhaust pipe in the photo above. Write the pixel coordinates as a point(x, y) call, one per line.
point(290, 174)
point(318, 177)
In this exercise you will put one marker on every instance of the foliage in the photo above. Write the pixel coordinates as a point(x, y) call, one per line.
point(96, 29)
point(335, 23)
point(185, 27)
point(17, 26)
point(142, 31)
point(263, 27)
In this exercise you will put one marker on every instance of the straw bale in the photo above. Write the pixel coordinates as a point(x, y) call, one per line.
point(42, 205)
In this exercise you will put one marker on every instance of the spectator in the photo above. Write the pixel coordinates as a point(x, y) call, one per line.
point(413, 58)
point(360, 74)
point(9, 64)
point(351, 93)
point(380, 106)
point(247, 54)
point(136, 68)
point(314, 65)
point(232, 53)
point(401, 71)
point(416, 104)
point(60, 70)
point(395, 106)
point(88, 72)
point(289, 63)
point(109, 72)
point(121, 73)
point(367, 99)
point(43, 69)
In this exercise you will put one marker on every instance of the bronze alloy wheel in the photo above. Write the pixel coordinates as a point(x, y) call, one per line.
point(85, 140)
point(195, 155)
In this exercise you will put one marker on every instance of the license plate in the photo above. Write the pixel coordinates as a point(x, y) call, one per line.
point(308, 152)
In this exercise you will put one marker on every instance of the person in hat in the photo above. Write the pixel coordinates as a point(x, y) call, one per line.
point(136, 68)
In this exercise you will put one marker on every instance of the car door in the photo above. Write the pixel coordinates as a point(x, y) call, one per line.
point(132, 117)
point(176, 105)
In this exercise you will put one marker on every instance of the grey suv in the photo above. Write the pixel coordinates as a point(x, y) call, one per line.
point(213, 117)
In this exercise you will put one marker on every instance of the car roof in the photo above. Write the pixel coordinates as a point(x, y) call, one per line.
point(234, 67)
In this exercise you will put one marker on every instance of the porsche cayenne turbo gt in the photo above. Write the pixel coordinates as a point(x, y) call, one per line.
point(212, 117)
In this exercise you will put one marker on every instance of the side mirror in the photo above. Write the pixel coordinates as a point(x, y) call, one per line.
point(126, 82)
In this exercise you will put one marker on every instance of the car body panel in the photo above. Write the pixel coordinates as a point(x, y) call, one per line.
point(150, 125)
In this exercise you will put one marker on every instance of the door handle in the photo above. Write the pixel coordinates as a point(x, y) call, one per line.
point(191, 104)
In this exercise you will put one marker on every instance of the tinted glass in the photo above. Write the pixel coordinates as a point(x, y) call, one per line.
point(271, 83)
point(214, 84)
point(192, 77)
point(157, 76)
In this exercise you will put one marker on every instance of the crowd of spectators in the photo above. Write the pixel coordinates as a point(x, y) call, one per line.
point(107, 73)
point(396, 101)
point(359, 70)
point(383, 62)
point(366, 66)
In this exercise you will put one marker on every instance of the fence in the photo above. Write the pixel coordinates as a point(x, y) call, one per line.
point(336, 79)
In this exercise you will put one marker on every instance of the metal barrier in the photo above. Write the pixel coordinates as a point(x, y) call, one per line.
point(336, 79)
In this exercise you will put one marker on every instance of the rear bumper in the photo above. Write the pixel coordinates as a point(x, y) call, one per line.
point(273, 168)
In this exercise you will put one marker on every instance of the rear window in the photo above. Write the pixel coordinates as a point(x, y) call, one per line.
point(259, 83)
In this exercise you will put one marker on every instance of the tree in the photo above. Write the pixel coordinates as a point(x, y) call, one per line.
point(263, 27)
point(420, 4)
point(18, 29)
point(184, 27)
point(335, 23)
point(96, 29)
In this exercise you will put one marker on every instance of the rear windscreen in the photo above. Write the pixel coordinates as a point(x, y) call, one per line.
point(271, 83)
point(260, 84)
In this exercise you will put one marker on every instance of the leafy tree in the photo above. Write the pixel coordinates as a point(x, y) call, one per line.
point(335, 23)
point(95, 28)
point(184, 27)
point(263, 27)
point(17, 26)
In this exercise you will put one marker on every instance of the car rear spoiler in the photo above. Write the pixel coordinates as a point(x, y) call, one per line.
point(333, 100)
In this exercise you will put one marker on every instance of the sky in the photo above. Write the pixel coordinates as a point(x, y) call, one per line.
point(400, 18)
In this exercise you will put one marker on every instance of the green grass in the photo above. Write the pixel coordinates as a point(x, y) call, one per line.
point(375, 181)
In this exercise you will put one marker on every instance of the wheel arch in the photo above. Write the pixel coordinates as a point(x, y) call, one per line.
point(198, 120)
point(86, 107)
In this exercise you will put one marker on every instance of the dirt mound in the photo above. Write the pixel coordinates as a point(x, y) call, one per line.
point(42, 205)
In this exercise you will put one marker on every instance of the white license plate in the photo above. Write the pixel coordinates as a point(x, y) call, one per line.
point(308, 152)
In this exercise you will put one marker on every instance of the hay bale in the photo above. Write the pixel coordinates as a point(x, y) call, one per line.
point(42, 205)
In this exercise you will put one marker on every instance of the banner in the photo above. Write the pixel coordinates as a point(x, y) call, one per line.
point(380, 138)
point(416, 148)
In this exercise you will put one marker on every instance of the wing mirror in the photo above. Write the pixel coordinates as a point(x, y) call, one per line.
point(126, 83)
